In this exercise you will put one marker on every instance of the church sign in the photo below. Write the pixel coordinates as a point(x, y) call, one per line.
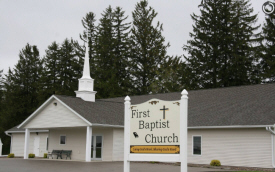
point(156, 130)
point(155, 127)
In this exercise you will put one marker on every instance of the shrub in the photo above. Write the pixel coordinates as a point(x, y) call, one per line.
point(45, 155)
point(31, 155)
point(215, 163)
point(11, 155)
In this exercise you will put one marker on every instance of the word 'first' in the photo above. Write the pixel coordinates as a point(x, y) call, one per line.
point(143, 114)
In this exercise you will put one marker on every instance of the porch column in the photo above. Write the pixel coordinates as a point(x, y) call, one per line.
point(27, 141)
point(89, 134)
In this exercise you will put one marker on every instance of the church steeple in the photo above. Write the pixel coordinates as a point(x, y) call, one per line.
point(86, 67)
point(86, 83)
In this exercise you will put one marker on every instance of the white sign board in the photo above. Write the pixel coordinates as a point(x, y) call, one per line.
point(155, 127)
point(156, 130)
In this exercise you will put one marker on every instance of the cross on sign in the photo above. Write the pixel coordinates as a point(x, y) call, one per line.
point(164, 111)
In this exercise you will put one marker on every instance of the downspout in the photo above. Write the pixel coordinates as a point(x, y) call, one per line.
point(11, 139)
point(272, 143)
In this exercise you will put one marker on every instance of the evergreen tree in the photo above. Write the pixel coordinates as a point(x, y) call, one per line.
point(1, 98)
point(1, 88)
point(51, 74)
point(171, 78)
point(148, 48)
point(112, 52)
point(121, 54)
point(221, 49)
point(267, 63)
point(88, 23)
point(70, 67)
point(21, 91)
point(24, 82)
point(104, 58)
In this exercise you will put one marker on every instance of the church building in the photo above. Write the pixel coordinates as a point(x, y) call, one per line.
point(233, 125)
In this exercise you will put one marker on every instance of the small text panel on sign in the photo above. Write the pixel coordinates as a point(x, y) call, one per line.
point(156, 149)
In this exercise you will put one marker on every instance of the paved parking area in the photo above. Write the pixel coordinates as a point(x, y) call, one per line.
point(37, 165)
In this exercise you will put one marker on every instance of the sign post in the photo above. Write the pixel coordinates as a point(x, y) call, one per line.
point(127, 105)
point(1, 144)
point(156, 130)
point(183, 130)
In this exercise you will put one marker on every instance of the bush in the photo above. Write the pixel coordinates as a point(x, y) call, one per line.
point(11, 155)
point(215, 163)
point(31, 155)
point(45, 155)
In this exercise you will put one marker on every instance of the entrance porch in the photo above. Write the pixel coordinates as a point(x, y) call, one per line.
point(87, 143)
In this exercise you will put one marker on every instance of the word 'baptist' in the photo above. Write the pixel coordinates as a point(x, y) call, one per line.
point(153, 125)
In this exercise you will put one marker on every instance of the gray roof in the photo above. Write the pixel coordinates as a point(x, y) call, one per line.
point(242, 105)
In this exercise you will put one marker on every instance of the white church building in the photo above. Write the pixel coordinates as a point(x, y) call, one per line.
point(233, 125)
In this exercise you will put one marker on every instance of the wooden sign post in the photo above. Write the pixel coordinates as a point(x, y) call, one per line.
point(156, 130)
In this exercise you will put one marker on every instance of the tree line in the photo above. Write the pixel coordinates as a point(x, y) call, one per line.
point(226, 48)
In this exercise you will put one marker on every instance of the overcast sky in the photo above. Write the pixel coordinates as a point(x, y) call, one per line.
point(44, 21)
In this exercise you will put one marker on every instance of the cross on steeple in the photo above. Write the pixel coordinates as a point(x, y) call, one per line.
point(164, 109)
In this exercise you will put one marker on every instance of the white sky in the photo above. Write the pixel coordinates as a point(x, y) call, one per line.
point(42, 22)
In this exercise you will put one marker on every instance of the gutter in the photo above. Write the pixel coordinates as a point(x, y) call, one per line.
point(32, 131)
point(7, 134)
point(272, 142)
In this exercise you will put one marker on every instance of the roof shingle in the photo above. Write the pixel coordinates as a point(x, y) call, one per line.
point(242, 105)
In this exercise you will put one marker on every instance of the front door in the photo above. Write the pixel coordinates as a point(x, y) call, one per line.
point(36, 148)
point(96, 153)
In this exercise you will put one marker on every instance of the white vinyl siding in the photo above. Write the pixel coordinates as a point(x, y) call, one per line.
point(233, 147)
point(52, 116)
point(18, 142)
point(118, 145)
point(75, 141)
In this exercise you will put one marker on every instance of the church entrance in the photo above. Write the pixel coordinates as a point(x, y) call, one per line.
point(96, 152)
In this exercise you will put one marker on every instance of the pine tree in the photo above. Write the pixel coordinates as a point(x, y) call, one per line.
point(221, 49)
point(171, 78)
point(88, 23)
point(103, 60)
point(112, 53)
point(1, 88)
point(21, 88)
point(25, 78)
point(121, 53)
point(70, 68)
point(1, 94)
point(267, 63)
point(148, 48)
point(51, 74)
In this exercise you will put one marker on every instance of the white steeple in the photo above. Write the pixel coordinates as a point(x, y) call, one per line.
point(86, 83)
point(86, 67)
